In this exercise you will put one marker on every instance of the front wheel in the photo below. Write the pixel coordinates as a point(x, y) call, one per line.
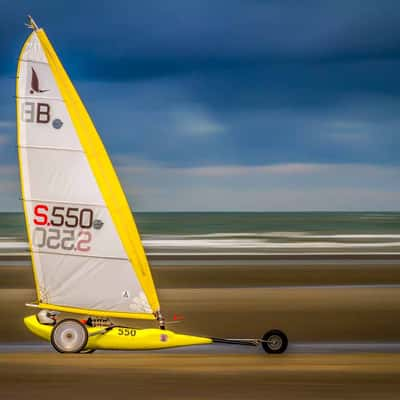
point(88, 351)
point(274, 342)
point(69, 336)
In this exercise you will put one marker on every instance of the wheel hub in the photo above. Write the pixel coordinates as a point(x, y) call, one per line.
point(275, 342)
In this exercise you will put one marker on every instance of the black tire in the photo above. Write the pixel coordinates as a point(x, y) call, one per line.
point(274, 342)
point(69, 336)
point(88, 351)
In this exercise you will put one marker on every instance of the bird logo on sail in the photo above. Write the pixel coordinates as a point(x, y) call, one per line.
point(35, 84)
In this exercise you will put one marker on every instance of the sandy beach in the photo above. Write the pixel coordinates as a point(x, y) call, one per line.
point(199, 376)
point(316, 302)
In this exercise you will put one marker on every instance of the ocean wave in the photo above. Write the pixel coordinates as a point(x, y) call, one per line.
point(251, 241)
point(13, 245)
point(272, 235)
point(254, 244)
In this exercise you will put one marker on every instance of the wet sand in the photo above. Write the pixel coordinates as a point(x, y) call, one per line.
point(342, 302)
point(265, 273)
point(305, 314)
point(366, 308)
point(197, 376)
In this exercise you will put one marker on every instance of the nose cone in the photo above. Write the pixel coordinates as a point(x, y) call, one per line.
point(38, 329)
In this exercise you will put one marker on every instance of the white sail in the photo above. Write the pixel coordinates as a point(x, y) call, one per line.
point(81, 260)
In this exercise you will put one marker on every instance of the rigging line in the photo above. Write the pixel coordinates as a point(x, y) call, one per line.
point(64, 202)
point(57, 253)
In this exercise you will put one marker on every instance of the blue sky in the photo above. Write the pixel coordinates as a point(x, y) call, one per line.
point(227, 105)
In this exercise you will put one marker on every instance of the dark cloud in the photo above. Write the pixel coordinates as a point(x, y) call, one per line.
point(186, 91)
point(173, 123)
point(122, 40)
point(263, 81)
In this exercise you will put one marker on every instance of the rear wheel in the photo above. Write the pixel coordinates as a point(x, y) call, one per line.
point(69, 336)
point(274, 342)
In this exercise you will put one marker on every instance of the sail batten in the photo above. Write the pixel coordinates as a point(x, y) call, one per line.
point(76, 255)
point(50, 148)
point(32, 61)
point(86, 251)
point(62, 202)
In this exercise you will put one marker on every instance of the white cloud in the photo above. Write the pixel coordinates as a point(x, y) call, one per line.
point(8, 171)
point(224, 170)
point(4, 139)
point(348, 133)
point(195, 121)
point(238, 171)
point(286, 187)
point(7, 124)
point(132, 165)
point(9, 188)
point(267, 187)
point(350, 138)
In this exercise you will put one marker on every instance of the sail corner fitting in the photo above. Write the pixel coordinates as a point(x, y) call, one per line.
point(160, 319)
point(31, 24)
point(33, 305)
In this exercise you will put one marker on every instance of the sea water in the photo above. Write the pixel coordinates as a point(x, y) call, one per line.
point(199, 233)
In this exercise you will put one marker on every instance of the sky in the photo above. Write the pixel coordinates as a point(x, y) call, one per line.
point(227, 105)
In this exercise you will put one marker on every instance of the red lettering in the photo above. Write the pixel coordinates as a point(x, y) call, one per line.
point(81, 242)
point(42, 217)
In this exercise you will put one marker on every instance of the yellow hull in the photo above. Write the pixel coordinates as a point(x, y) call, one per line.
point(120, 338)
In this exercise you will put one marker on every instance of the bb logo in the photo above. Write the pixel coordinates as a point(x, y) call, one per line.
point(32, 112)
